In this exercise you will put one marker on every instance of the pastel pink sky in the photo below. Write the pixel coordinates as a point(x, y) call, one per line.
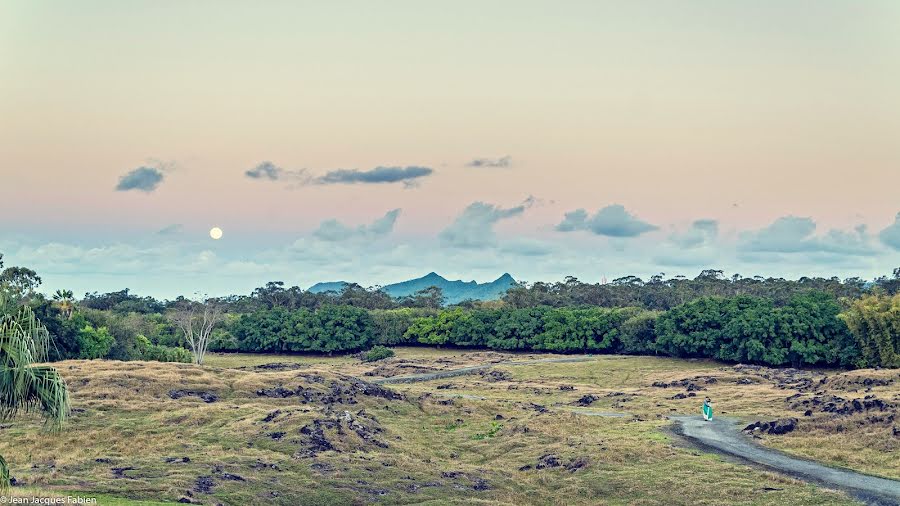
point(738, 112)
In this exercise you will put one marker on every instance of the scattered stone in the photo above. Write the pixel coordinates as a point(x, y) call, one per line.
point(276, 435)
point(271, 416)
point(538, 407)
point(494, 375)
point(204, 484)
point(480, 484)
point(776, 427)
point(176, 460)
point(315, 440)
point(547, 461)
point(278, 392)
point(260, 465)
point(586, 400)
point(279, 366)
point(206, 397)
point(103, 460)
point(578, 463)
point(119, 472)
point(566, 388)
point(448, 386)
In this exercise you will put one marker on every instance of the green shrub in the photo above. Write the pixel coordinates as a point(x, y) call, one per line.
point(378, 353)
point(94, 342)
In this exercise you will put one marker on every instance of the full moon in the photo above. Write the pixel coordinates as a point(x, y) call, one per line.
point(215, 233)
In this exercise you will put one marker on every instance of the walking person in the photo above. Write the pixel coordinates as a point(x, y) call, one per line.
point(707, 409)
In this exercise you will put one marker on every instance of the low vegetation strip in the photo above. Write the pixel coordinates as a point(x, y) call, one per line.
point(723, 435)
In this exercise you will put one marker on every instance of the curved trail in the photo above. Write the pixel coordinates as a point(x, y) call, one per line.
point(414, 378)
point(724, 435)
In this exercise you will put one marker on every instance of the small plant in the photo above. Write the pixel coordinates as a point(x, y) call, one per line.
point(378, 353)
point(495, 428)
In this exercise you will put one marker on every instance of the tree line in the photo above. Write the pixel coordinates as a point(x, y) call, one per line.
point(810, 329)
point(809, 321)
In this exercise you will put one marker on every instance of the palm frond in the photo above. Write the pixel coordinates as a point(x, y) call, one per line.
point(27, 385)
point(4, 476)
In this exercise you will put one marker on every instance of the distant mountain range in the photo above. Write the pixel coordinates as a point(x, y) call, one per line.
point(454, 291)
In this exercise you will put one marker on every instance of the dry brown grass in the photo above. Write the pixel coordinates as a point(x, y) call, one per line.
point(440, 442)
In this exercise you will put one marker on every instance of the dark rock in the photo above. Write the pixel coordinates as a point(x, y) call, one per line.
point(586, 400)
point(480, 484)
point(578, 463)
point(278, 392)
point(494, 375)
point(119, 472)
point(206, 397)
point(276, 435)
point(279, 366)
point(204, 484)
point(176, 460)
point(776, 427)
point(547, 461)
point(271, 416)
point(566, 388)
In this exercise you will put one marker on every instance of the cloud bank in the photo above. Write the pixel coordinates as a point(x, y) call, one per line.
point(502, 162)
point(143, 179)
point(409, 175)
point(378, 175)
point(335, 231)
point(611, 221)
point(890, 236)
point(474, 228)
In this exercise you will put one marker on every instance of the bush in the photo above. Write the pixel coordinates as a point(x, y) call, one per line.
point(874, 321)
point(806, 331)
point(390, 326)
point(638, 333)
point(378, 353)
point(94, 342)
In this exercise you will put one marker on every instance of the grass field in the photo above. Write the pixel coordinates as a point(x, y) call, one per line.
point(240, 430)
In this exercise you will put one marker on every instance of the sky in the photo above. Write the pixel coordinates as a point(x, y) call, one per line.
point(378, 141)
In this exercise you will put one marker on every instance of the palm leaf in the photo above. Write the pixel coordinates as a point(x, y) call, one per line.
point(26, 385)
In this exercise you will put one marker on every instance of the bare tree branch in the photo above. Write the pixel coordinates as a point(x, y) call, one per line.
point(197, 320)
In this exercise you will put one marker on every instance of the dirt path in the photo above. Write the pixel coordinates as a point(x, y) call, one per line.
point(724, 435)
point(413, 378)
